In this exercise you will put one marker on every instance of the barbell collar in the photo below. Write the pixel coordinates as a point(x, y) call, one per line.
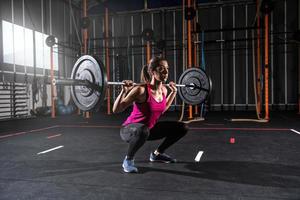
point(70, 82)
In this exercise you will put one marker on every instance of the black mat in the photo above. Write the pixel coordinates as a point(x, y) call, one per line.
point(263, 163)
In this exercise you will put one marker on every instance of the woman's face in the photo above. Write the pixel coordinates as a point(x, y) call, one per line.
point(162, 71)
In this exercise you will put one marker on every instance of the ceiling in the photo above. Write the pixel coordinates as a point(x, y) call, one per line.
point(96, 7)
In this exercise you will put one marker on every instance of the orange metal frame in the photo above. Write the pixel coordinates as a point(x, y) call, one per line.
point(267, 117)
point(189, 53)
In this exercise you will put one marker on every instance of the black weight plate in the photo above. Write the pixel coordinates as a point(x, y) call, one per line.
point(88, 68)
point(198, 77)
point(50, 41)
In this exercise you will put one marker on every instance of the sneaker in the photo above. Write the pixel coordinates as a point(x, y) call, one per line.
point(162, 157)
point(128, 166)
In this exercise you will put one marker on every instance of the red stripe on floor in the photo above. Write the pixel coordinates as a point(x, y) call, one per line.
point(30, 131)
point(53, 136)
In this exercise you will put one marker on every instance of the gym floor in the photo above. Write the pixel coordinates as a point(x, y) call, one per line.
point(70, 157)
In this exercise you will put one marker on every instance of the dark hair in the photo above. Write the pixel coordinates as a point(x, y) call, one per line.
point(152, 65)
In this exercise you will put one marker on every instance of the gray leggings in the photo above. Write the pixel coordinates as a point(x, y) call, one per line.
point(137, 134)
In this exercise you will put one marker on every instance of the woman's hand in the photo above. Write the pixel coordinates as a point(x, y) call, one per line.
point(172, 87)
point(128, 85)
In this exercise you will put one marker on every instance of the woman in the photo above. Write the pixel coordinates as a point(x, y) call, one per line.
point(150, 101)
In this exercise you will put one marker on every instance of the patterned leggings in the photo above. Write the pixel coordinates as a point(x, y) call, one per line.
point(137, 134)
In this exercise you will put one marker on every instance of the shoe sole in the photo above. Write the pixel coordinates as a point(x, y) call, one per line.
point(162, 161)
point(133, 171)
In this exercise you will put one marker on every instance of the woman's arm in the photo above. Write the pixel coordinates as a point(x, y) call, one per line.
point(126, 97)
point(171, 96)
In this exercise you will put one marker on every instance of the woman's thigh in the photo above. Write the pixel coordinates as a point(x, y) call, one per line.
point(132, 130)
point(166, 128)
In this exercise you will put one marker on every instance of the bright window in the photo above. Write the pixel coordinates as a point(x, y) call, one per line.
point(18, 47)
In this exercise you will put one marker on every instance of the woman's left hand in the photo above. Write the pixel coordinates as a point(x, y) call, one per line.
point(173, 87)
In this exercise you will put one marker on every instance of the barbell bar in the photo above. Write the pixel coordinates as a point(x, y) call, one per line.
point(177, 85)
point(89, 83)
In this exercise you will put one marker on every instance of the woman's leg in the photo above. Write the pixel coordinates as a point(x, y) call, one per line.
point(172, 131)
point(135, 135)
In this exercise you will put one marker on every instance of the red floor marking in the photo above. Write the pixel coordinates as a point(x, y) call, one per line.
point(13, 134)
point(192, 128)
point(53, 136)
point(88, 126)
point(24, 132)
point(110, 126)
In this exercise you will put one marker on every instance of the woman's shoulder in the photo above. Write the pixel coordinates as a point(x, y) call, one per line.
point(141, 93)
point(164, 90)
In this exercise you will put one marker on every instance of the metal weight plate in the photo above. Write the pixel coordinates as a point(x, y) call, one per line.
point(88, 68)
point(197, 77)
point(50, 41)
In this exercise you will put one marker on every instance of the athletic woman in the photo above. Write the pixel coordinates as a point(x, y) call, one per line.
point(150, 100)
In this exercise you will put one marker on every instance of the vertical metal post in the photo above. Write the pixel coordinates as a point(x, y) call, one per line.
point(258, 57)
point(247, 61)
point(267, 66)
point(233, 59)
point(84, 31)
point(222, 58)
point(195, 37)
point(132, 49)
point(285, 56)
point(272, 59)
point(43, 43)
point(52, 86)
point(183, 36)
point(189, 52)
point(113, 55)
point(84, 39)
point(50, 16)
point(298, 59)
point(24, 38)
point(174, 52)
point(94, 36)
point(13, 32)
point(152, 27)
point(142, 28)
point(107, 59)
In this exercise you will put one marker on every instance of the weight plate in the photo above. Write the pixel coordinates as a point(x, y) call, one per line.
point(88, 68)
point(197, 95)
point(50, 41)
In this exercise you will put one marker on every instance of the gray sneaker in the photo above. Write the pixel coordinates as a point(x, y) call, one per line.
point(128, 166)
point(162, 157)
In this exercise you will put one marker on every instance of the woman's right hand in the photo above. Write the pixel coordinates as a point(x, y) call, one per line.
point(128, 85)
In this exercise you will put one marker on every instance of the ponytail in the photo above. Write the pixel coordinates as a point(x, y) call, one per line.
point(153, 64)
point(145, 76)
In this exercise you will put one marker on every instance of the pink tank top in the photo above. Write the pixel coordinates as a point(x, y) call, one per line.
point(148, 112)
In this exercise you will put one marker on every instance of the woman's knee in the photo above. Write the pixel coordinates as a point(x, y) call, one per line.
point(136, 131)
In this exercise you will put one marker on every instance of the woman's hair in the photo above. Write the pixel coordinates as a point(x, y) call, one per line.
point(152, 65)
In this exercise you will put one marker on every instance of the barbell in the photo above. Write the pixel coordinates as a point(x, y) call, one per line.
point(89, 83)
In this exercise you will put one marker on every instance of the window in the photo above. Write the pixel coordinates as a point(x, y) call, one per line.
point(18, 47)
point(43, 52)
